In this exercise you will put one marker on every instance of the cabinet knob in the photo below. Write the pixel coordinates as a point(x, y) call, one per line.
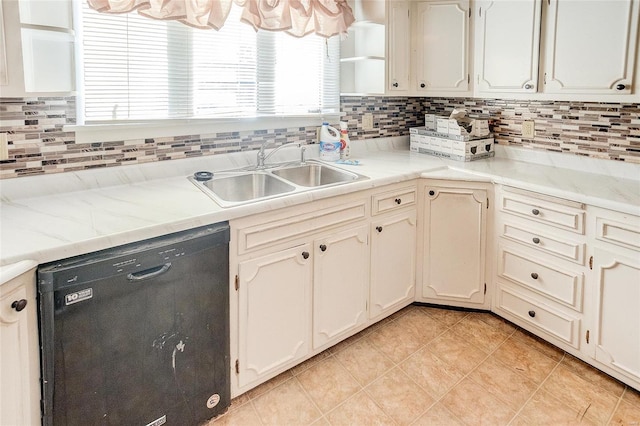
point(395, 84)
point(305, 254)
point(532, 314)
point(535, 212)
point(621, 87)
point(398, 201)
point(19, 305)
point(422, 85)
point(432, 193)
point(528, 86)
point(534, 275)
point(323, 247)
point(379, 228)
point(536, 240)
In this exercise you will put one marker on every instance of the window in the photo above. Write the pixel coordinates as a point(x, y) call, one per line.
point(138, 69)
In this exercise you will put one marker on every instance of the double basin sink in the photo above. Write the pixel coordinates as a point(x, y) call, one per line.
point(243, 186)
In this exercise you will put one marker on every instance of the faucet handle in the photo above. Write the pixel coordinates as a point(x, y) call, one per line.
point(302, 154)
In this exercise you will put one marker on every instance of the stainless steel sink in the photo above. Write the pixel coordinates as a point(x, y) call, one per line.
point(248, 186)
point(315, 174)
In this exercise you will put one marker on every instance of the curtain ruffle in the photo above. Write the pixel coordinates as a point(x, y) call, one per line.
point(297, 17)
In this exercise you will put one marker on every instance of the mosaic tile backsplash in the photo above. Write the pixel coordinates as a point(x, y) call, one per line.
point(38, 143)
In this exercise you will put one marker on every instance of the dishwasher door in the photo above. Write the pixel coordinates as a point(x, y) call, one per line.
point(138, 334)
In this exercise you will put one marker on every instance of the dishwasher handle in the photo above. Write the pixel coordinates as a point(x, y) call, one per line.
point(149, 273)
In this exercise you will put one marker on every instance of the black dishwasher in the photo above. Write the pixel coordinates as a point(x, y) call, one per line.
point(138, 334)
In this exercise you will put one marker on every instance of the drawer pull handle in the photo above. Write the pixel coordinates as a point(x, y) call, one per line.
point(305, 254)
point(395, 84)
point(323, 247)
point(398, 200)
point(532, 314)
point(536, 240)
point(535, 212)
point(534, 275)
point(379, 228)
point(19, 305)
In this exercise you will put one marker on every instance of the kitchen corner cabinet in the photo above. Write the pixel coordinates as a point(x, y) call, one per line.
point(19, 366)
point(579, 48)
point(616, 306)
point(454, 239)
point(441, 47)
point(40, 57)
point(398, 46)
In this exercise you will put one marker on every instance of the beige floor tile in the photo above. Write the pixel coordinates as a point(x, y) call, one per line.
point(593, 375)
point(509, 386)
point(425, 328)
point(438, 416)
point(521, 357)
point(479, 333)
point(447, 316)
point(321, 422)
point(244, 415)
point(239, 401)
point(496, 322)
point(348, 342)
point(536, 342)
point(545, 409)
point(399, 397)
point(626, 414)
point(359, 410)
point(431, 373)
point(580, 394)
point(286, 404)
point(472, 404)
point(457, 352)
point(309, 363)
point(267, 386)
point(632, 396)
point(396, 341)
point(328, 383)
point(364, 361)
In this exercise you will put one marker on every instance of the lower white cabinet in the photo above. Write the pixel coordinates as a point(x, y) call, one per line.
point(454, 236)
point(616, 331)
point(340, 284)
point(393, 254)
point(19, 365)
point(274, 298)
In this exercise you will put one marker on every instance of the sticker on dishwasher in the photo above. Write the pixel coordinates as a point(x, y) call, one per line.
point(78, 296)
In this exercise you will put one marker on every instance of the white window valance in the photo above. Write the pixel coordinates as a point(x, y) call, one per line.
point(297, 17)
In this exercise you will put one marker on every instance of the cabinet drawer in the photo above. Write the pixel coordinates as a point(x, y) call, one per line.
point(262, 235)
point(622, 231)
point(544, 317)
point(393, 200)
point(536, 274)
point(560, 213)
point(543, 241)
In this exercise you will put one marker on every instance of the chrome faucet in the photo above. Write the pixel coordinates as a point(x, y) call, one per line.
point(262, 157)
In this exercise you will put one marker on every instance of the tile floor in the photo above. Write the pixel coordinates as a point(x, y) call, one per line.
point(430, 366)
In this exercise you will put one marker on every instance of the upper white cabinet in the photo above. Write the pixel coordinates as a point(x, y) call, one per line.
point(398, 46)
point(508, 45)
point(441, 47)
point(585, 49)
point(37, 48)
point(590, 46)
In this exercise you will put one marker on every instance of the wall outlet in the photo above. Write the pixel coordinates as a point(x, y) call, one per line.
point(367, 121)
point(4, 147)
point(528, 129)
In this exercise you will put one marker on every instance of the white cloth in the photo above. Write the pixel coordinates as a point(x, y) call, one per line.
point(297, 17)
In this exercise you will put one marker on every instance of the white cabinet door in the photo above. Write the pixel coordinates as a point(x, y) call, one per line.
point(617, 321)
point(508, 45)
point(19, 365)
point(442, 46)
point(454, 246)
point(341, 281)
point(398, 45)
point(590, 46)
point(393, 253)
point(274, 318)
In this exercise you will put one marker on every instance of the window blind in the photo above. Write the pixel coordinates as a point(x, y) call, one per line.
point(138, 69)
